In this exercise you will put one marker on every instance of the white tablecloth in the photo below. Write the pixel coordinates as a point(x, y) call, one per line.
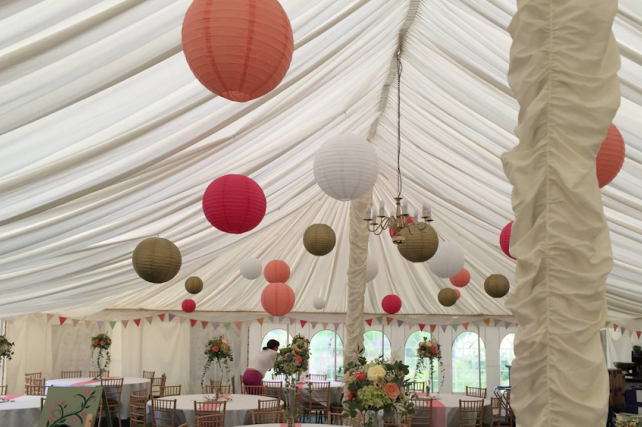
point(451, 403)
point(336, 388)
point(23, 412)
point(238, 411)
point(129, 384)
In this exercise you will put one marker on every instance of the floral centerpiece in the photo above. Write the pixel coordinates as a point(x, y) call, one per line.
point(376, 386)
point(428, 349)
point(5, 348)
point(627, 421)
point(292, 361)
point(218, 350)
point(102, 343)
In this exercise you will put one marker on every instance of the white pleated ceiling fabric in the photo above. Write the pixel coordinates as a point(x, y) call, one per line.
point(107, 138)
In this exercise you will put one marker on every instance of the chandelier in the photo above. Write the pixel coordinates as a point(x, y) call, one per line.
point(399, 219)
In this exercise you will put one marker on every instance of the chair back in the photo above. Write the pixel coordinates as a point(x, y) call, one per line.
point(471, 413)
point(268, 417)
point(416, 387)
point(138, 408)
point(216, 383)
point(163, 413)
point(234, 384)
point(70, 374)
point(209, 408)
point(3, 390)
point(476, 392)
point(29, 377)
point(616, 387)
point(94, 374)
point(319, 394)
point(148, 374)
point(396, 420)
point(210, 420)
point(273, 388)
point(423, 413)
point(269, 405)
point(278, 377)
point(170, 390)
point(35, 390)
point(495, 411)
point(253, 389)
point(318, 377)
point(156, 384)
point(113, 389)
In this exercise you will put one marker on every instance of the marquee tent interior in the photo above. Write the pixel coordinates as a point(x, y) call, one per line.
point(107, 138)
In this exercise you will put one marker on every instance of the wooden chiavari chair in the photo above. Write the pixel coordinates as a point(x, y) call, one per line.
point(318, 377)
point(3, 390)
point(222, 389)
point(476, 392)
point(148, 374)
point(211, 420)
point(156, 384)
point(396, 420)
point(271, 417)
point(42, 403)
point(471, 413)
point(278, 377)
point(318, 399)
point(29, 377)
point(269, 405)
point(210, 408)
point(94, 374)
point(509, 418)
point(273, 388)
point(35, 390)
point(417, 387)
point(163, 413)
point(170, 390)
point(257, 390)
point(216, 383)
point(423, 413)
point(70, 374)
point(495, 411)
point(138, 408)
point(234, 385)
point(113, 390)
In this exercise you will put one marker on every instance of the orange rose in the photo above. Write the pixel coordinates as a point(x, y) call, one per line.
point(215, 348)
point(298, 359)
point(392, 390)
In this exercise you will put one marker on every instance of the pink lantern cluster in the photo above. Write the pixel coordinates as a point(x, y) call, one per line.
point(277, 298)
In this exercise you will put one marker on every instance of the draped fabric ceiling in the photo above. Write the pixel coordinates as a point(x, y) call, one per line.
point(107, 138)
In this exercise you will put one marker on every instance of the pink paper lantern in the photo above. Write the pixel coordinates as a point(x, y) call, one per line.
point(610, 158)
point(504, 239)
point(276, 271)
point(391, 304)
point(234, 204)
point(461, 279)
point(457, 292)
point(277, 299)
point(188, 306)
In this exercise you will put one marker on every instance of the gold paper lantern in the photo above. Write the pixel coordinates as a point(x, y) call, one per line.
point(447, 297)
point(319, 239)
point(496, 285)
point(193, 285)
point(421, 242)
point(156, 260)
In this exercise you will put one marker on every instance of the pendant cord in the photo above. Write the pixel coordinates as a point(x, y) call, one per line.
point(399, 71)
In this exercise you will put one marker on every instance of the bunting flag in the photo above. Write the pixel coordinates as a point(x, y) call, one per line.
point(162, 317)
point(487, 321)
point(421, 327)
point(465, 326)
point(303, 322)
point(292, 321)
point(149, 319)
point(87, 323)
point(271, 319)
point(204, 323)
point(215, 324)
point(443, 327)
point(410, 325)
point(380, 320)
point(388, 320)
point(227, 326)
point(181, 319)
point(137, 322)
point(455, 327)
point(100, 325)
point(369, 322)
point(62, 319)
point(638, 333)
point(623, 329)
point(75, 322)
point(325, 325)
point(432, 328)
point(614, 327)
point(399, 322)
point(171, 317)
point(314, 324)
point(192, 322)
point(112, 324)
point(124, 322)
point(260, 321)
point(238, 325)
point(496, 322)
point(49, 317)
point(336, 326)
point(281, 318)
point(507, 324)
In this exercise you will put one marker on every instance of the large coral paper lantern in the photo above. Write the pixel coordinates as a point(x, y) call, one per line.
point(276, 271)
point(610, 158)
point(391, 304)
point(238, 49)
point(234, 204)
point(461, 279)
point(504, 239)
point(277, 299)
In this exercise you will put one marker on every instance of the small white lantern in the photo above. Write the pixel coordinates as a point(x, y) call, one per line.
point(251, 268)
point(319, 303)
point(448, 261)
point(346, 167)
point(372, 269)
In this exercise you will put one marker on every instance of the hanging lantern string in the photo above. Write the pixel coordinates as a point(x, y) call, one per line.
point(399, 71)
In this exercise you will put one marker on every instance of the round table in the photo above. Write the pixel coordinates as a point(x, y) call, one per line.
point(129, 384)
point(336, 389)
point(24, 411)
point(446, 409)
point(238, 411)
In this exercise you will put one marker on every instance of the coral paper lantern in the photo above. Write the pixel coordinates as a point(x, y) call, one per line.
point(496, 285)
point(276, 271)
point(420, 244)
point(448, 261)
point(251, 268)
point(391, 304)
point(238, 49)
point(188, 306)
point(458, 293)
point(447, 297)
point(346, 167)
point(157, 260)
point(372, 269)
point(277, 299)
point(610, 158)
point(194, 285)
point(461, 279)
point(234, 204)
point(504, 239)
point(319, 239)
point(319, 303)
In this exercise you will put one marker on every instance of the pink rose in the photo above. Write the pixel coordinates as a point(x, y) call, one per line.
point(433, 350)
point(215, 348)
point(392, 390)
point(208, 348)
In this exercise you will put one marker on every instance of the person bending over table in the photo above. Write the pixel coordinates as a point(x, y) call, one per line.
point(263, 362)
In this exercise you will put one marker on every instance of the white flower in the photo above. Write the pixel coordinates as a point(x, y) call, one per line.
point(376, 373)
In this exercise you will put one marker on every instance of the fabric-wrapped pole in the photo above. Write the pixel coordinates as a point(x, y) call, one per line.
point(563, 71)
point(356, 278)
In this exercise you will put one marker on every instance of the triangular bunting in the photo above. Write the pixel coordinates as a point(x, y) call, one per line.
point(62, 319)
point(638, 333)
point(49, 317)
point(182, 319)
point(432, 328)
point(226, 325)
point(112, 324)
point(292, 321)
point(192, 322)
point(443, 327)
point(87, 323)
point(260, 321)
point(137, 322)
point(399, 322)
point(271, 319)
point(380, 320)
point(325, 325)
point(303, 322)
point(487, 321)
point(455, 327)
point(100, 325)
point(124, 322)
point(215, 324)
point(388, 320)
point(75, 322)
point(421, 327)
point(162, 317)
point(149, 319)
point(507, 324)
point(336, 326)
point(204, 323)
point(614, 327)
point(465, 325)
point(623, 329)
point(281, 318)
point(238, 325)
point(314, 324)
point(171, 316)
point(410, 325)
point(369, 322)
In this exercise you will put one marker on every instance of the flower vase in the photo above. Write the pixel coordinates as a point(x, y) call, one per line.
point(371, 419)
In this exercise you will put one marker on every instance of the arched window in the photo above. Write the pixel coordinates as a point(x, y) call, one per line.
point(326, 350)
point(282, 337)
point(411, 360)
point(469, 362)
point(506, 356)
point(374, 343)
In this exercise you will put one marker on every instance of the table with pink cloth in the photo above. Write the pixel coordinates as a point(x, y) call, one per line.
point(129, 385)
point(24, 411)
point(445, 409)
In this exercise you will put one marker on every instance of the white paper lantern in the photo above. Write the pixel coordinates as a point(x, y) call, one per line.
point(319, 303)
point(251, 268)
point(448, 261)
point(372, 269)
point(346, 167)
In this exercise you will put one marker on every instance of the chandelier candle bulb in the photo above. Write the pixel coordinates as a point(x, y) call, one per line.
point(368, 212)
point(404, 210)
point(382, 211)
